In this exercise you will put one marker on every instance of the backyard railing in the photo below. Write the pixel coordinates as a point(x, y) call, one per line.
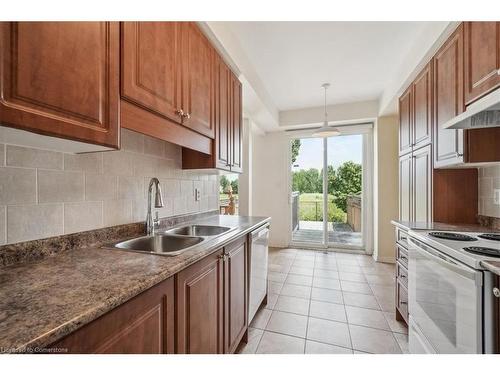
point(295, 210)
point(354, 212)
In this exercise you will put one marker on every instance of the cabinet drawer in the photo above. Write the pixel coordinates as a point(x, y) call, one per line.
point(402, 274)
point(402, 255)
point(402, 237)
point(402, 299)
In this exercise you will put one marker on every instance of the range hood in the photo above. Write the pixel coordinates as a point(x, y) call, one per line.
point(483, 113)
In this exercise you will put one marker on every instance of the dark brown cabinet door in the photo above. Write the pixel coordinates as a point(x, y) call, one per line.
point(197, 79)
point(222, 115)
point(61, 79)
point(422, 184)
point(143, 325)
point(235, 286)
point(237, 126)
point(405, 122)
point(482, 58)
point(200, 293)
point(405, 187)
point(150, 66)
point(422, 105)
point(448, 100)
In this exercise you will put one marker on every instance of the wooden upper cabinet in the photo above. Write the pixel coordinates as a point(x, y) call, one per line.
point(448, 100)
point(422, 108)
point(482, 58)
point(422, 184)
point(150, 66)
point(197, 79)
point(236, 294)
point(237, 126)
point(405, 122)
point(61, 79)
point(222, 115)
point(405, 187)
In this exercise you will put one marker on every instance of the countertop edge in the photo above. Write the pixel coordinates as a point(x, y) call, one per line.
point(81, 320)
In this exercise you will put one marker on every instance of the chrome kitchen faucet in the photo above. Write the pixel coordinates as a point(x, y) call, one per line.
point(150, 223)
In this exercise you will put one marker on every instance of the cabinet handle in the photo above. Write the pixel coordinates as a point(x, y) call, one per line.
point(460, 155)
point(179, 112)
point(186, 115)
point(402, 276)
point(403, 302)
point(496, 292)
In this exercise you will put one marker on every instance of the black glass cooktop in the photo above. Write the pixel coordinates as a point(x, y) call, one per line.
point(490, 236)
point(487, 251)
point(452, 236)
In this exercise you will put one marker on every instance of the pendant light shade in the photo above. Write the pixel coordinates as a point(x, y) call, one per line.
point(325, 130)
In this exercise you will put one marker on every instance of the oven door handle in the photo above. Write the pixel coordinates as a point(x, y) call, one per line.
point(446, 262)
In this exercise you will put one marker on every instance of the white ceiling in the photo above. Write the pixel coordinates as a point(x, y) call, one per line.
point(293, 59)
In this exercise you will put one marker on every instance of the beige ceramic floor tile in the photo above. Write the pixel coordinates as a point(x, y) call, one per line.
point(271, 301)
point(403, 342)
point(254, 336)
point(287, 323)
point(299, 280)
point(366, 317)
point(327, 274)
point(373, 340)
point(322, 282)
point(274, 287)
point(327, 295)
point(313, 347)
point(361, 300)
point(396, 326)
point(328, 332)
point(276, 277)
point(299, 291)
point(354, 287)
point(307, 271)
point(261, 319)
point(349, 276)
point(292, 305)
point(326, 310)
point(274, 343)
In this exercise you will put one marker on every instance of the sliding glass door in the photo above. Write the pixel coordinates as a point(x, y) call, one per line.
point(328, 209)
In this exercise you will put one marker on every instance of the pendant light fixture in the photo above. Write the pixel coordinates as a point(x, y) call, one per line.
point(325, 130)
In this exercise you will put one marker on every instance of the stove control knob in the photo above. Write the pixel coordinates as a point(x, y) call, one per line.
point(496, 292)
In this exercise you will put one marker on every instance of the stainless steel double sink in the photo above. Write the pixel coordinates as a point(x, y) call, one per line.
point(173, 241)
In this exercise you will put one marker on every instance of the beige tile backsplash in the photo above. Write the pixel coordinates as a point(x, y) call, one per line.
point(489, 180)
point(46, 193)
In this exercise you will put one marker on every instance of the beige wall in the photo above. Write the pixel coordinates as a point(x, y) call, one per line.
point(270, 184)
point(489, 180)
point(385, 187)
point(46, 193)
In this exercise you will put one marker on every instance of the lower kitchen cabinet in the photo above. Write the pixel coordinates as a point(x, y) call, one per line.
point(200, 306)
point(235, 292)
point(203, 309)
point(143, 325)
point(212, 300)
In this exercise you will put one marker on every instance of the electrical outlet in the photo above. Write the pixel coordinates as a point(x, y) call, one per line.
point(197, 194)
point(496, 196)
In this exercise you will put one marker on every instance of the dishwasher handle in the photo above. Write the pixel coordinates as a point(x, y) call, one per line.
point(260, 232)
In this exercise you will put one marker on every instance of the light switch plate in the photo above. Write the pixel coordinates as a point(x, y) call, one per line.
point(197, 194)
point(496, 196)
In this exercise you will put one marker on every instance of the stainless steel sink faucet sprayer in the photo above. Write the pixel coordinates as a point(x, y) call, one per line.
point(150, 223)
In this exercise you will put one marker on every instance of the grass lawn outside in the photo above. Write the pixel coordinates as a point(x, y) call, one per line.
point(311, 208)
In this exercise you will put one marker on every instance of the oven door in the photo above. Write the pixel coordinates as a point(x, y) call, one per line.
point(445, 300)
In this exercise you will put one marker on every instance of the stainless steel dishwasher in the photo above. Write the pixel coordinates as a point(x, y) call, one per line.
point(258, 269)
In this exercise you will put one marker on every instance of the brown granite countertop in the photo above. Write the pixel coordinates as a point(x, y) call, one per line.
point(492, 266)
point(44, 300)
point(419, 225)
